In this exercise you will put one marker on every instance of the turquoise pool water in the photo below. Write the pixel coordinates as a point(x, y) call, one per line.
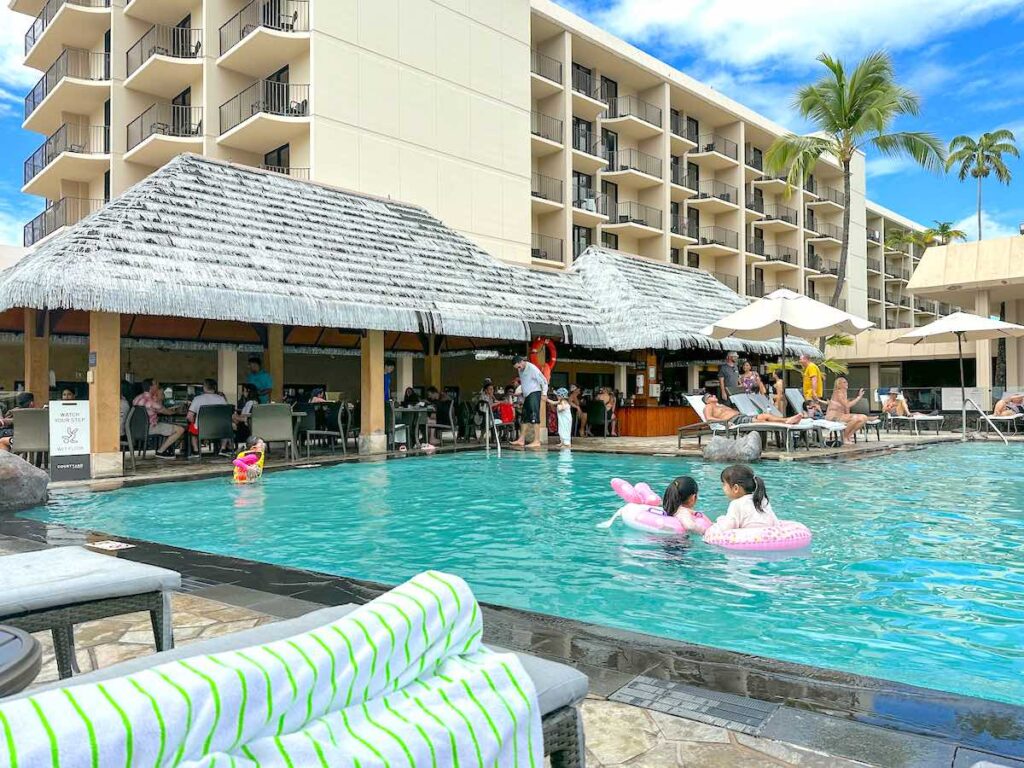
point(916, 572)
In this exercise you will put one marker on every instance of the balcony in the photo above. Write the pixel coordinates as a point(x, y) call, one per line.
point(754, 158)
point(779, 257)
point(874, 237)
point(715, 197)
point(754, 206)
point(896, 274)
point(755, 248)
point(546, 249)
point(287, 170)
point(78, 82)
point(27, 7)
point(730, 281)
point(162, 132)
point(63, 213)
point(876, 319)
point(827, 234)
point(72, 153)
point(771, 183)
point(714, 152)
point(927, 307)
point(265, 115)
point(684, 231)
point(65, 24)
point(683, 133)
point(586, 96)
point(874, 266)
point(827, 299)
point(159, 11)
point(636, 219)
point(587, 152)
point(545, 134)
point(685, 180)
point(631, 168)
point(630, 116)
point(778, 218)
point(165, 61)
point(828, 199)
point(826, 268)
point(588, 207)
point(546, 193)
point(545, 75)
point(716, 241)
point(264, 36)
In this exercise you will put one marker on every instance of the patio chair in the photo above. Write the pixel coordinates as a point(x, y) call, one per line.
point(395, 430)
point(352, 414)
point(135, 439)
point(445, 424)
point(273, 423)
point(213, 423)
point(332, 430)
point(32, 434)
point(783, 432)
point(304, 424)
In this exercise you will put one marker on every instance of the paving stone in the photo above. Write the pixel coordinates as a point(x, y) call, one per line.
point(219, 630)
point(616, 733)
point(793, 755)
point(664, 755)
point(966, 758)
point(695, 755)
point(108, 655)
point(680, 729)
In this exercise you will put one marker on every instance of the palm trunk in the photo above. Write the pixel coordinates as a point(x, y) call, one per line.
point(979, 207)
point(844, 252)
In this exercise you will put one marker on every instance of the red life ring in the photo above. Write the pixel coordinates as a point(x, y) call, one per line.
point(550, 355)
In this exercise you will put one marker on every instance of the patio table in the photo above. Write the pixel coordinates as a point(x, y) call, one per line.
point(21, 657)
point(416, 413)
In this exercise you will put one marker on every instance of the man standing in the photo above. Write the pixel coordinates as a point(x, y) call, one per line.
point(728, 376)
point(814, 384)
point(260, 379)
point(389, 371)
point(534, 386)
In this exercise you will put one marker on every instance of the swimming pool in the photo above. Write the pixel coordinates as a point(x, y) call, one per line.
point(916, 573)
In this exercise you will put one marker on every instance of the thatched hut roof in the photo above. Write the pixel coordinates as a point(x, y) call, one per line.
point(201, 238)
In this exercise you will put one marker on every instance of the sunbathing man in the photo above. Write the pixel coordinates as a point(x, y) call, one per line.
point(839, 409)
point(715, 411)
point(1010, 405)
point(894, 406)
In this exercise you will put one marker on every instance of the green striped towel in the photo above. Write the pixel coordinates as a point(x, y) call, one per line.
point(400, 681)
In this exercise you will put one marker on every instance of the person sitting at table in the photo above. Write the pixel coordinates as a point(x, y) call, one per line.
point(259, 378)
point(441, 405)
point(410, 398)
point(67, 394)
point(209, 396)
point(318, 395)
point(243, 410)
point(487, 393)
point(151, 398)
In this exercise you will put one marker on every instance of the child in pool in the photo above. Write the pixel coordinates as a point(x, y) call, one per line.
point(680, 499)
point(249, 463)
point(748, 500)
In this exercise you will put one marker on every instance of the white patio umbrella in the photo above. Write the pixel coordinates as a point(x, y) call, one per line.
point(784, 312)
point(961, 327)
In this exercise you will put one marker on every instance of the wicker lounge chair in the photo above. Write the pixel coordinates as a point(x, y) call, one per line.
point(784, 433)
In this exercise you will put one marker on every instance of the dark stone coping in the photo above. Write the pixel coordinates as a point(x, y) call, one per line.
point(610, 657)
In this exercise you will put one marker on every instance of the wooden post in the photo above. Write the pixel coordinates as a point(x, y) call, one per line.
point(105, 393)
point(403, 374)
point(372, 435)
point(273, 361)
point(227, 372)
point(37, 355)
point(651, 381)
point(433, 364)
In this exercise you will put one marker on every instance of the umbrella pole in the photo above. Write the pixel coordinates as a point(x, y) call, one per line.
point(782, 358)
point(963, 395)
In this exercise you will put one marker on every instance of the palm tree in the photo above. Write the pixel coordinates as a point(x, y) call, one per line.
point(980, 158)
point(943, 233)
point(851, 111)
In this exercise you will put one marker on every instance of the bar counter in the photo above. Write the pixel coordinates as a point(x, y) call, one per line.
point(654, 420)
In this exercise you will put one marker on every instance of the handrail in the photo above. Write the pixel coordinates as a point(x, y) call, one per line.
point(963, 419)
point(278, 15)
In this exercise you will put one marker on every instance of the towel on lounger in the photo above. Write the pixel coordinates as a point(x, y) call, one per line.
point(400, 681)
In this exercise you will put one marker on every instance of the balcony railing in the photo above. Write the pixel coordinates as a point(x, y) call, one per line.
point(875, 265)
point(587, 141)
point(779, 212)
point(586, 199)
point(546, 126)
point(545, 66)
point(776, 252)
point(629, 212)
point(714, 188)
point(546, 187)
point(731, 281)
point(755, 159)
point(825, 266)
point(278, 15)
point(680, 126)
point(48, 14)
point(73, 62)
point(162, 40)
point(892, 298)
point(714, 143)
point(718, 236)
point(546, 248)
point(755, 245)
point(682, 226)
point(828, 230)
point(80, 139)
point(631, 106)
point(875, 293)
point(904, 301)
point(755, 288)
point(268, 97)
point(633, 159)
point(585, 84)
point(831, 194)
point(876, 319)
point(810, 185)
point(924, 306)
point(288, 170)
point(685, 175)
point(754, 203)
point(165, 119)
point(63, 213)
point(874, 236)
point(827, 299)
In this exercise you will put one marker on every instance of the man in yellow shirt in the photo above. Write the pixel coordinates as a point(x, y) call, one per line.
point(814, 384)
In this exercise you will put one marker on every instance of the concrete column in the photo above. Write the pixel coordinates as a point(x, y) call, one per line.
point(621, 377)
point(983, 349)
point(433, 363)
point(105, 393)
point(372, 435)
point(1013, 349)
point(874, 380)
point(37, 355)
point(403, 373)
point(273, 361)
point(692, 377)
point(227, 372)
point(1019, 345)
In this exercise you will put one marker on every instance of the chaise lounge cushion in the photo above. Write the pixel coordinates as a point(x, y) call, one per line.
point(557, 685)
point(49, 578)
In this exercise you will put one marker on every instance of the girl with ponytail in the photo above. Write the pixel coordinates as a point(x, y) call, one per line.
point(748, 500)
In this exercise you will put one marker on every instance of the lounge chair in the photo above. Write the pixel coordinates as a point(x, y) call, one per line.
point(724, 428)
point(820, 427)
point(1000, 421)
point(560, 689)
point(913, 422)
point(790, 432)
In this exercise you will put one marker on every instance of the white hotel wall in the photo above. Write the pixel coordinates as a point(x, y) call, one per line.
point(429, 102)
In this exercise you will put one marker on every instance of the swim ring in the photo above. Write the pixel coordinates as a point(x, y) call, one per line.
point(243, 461)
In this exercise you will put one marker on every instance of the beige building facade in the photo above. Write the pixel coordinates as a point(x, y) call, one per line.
point(516, 122)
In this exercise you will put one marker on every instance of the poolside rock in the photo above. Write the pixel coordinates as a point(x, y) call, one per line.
point(742, 449)
point(22, 486)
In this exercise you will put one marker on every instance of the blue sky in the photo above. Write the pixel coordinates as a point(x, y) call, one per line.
point(965, 58)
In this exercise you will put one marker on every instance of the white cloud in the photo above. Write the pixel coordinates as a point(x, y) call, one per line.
point(12, 51)
point(742, 33)
point(993, 225)
point(889, 166)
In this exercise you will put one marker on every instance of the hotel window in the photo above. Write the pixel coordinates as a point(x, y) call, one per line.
point(609, 240)
point(582, 237)
point(279, 159)
point(676, 255)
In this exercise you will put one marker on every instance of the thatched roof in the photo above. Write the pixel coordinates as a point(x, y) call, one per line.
point(201, 238)
point(649, 304)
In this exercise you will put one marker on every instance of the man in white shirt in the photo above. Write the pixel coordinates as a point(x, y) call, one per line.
point(209, 396)
point(534, 386)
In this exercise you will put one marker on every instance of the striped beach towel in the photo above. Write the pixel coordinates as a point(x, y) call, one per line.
point(400, 681)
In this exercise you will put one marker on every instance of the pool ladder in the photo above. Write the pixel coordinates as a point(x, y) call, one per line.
point(991, 424)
